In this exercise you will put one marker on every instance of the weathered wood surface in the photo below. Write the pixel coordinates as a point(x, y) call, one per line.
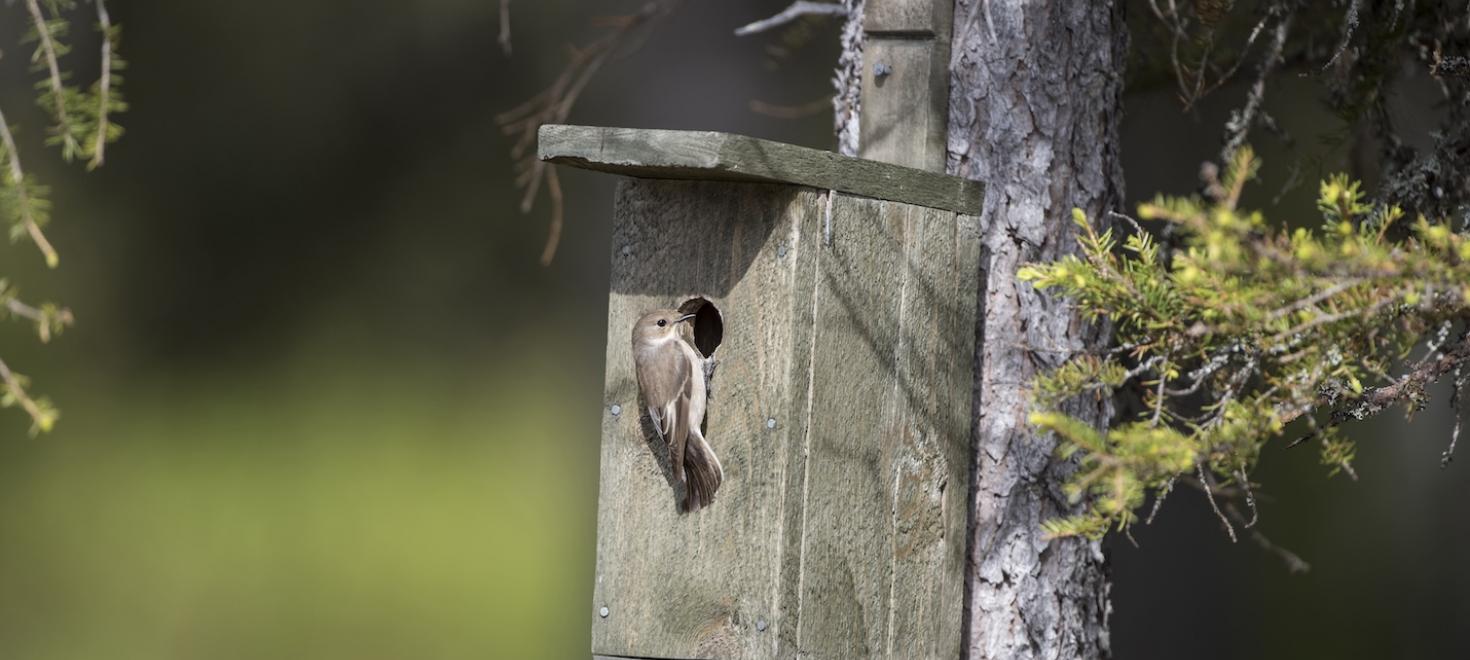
point(905, 82)
point(894, 347)
point(701, 584)
point(841, 414)
point(919, 18)
point(706, 155)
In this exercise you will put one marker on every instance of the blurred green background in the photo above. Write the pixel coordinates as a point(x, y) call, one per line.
point(321, 401)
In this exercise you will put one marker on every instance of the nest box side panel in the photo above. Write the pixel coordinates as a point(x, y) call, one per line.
point(889, 435)
point(671, 584)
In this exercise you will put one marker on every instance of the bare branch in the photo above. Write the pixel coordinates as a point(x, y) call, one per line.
point(1461, 376)
point(1250, 497)
point(1240, 122)
point(104, 87)
point(796, 10)
point(1315, 298)
point(1204, 479)
point(504, 38)
point(1349, 25)
point(554, 104)
point(1159, 497)
point(553, 238)
point(1410, 386)
point(1294, 564)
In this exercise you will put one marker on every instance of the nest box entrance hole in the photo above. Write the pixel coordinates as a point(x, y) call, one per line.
point(708, 325)
point(707, 330)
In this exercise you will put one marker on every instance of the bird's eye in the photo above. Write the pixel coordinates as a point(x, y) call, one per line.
point(662, 323)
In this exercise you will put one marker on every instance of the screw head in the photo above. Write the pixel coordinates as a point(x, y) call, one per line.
point(780, 251)
point(602, 612)
point(627, 250)
point(881, 69)
point(770, 422)
point(760, 624)
point(615, 409)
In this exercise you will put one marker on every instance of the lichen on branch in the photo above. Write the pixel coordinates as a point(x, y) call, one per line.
point(1243, 330)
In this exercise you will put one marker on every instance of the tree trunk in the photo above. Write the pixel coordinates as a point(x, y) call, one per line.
point(1034, 105)
point(1033, 112)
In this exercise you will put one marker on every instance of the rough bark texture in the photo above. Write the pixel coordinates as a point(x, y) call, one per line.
point(848, 81)
point(1034, 110)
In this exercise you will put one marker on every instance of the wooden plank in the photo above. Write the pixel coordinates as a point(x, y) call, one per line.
point(905, 111)
point(705, 155)
point(882, 567)
point(910, 17)
point(705, 584)
point(845, 564)
point(931, 463)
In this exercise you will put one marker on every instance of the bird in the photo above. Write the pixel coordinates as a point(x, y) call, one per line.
point(671, 380)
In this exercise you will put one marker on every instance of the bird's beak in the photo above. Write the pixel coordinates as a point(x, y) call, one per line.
point(683, 318)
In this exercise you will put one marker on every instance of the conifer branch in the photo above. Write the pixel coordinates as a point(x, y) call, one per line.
point(1246, 330)
point(24, 202)
point(49, 319)
point(48, 48)
point(13, 392)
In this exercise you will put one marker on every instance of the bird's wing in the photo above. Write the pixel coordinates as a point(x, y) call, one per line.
point(663, 376)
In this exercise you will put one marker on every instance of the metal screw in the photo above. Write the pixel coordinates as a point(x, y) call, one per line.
point(770, 422)
point(760, 624)
point(616, 410)
point(627, 250)
point(781, 251)
point(881, 69)
point(603, 612)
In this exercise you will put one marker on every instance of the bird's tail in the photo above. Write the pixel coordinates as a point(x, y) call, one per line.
point(702, 470)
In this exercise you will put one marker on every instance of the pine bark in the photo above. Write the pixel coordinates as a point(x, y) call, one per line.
point(1035, 104)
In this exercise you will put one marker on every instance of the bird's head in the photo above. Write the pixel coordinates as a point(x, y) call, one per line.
point(659, 325)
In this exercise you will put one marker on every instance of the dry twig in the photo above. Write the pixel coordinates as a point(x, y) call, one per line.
point(504, 38)
point(797, 10)
point(553, 104)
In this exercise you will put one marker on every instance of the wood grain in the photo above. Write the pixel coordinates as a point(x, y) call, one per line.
point(840, 529)
point(904, 111)
point(912, 17)
point(701, 584)
point(707, 155)
point(905, 83)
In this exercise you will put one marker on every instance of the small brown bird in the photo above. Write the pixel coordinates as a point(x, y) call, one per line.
point(671, 378)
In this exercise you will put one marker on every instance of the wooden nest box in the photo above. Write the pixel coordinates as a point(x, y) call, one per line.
point(836, 298)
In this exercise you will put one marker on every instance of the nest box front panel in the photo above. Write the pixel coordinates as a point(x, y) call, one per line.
point(840, 408)
point(706, 583)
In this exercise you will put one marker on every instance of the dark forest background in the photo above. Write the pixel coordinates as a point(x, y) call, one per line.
point(322, 401)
